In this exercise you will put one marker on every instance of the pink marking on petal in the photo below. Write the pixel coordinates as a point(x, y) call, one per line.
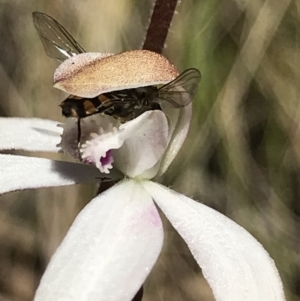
point(148, 217)
point(108, 159)
point(152, 216)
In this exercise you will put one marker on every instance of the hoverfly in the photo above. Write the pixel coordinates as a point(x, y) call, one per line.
point(123, 104)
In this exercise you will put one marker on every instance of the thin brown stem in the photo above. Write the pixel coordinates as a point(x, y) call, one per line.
point(159, 25)
point(155, 40)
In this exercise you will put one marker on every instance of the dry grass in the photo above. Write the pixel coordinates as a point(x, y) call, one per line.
point(242, 156)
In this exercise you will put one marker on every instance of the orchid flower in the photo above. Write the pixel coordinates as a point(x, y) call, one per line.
point(115, 240)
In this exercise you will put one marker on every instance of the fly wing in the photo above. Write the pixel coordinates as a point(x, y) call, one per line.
point(180, 92)
point(57, 41)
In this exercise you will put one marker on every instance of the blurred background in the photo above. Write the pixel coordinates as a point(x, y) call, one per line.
point(242, 155)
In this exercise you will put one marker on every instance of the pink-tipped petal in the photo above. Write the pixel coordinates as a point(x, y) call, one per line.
point(20, 172)
point(31, 134)
point(109, 250)
point(234, 263)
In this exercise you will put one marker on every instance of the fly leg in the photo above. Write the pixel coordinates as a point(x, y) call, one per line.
point(78, 137)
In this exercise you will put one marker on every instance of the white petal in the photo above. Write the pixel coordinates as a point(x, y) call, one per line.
point(109, 250)
point(179, 125)
point(145, 140)
point(20, 172)
point(234, 263)
point(30, 134)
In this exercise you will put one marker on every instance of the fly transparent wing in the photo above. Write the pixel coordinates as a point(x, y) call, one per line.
point(57, 41)
point(180, 92)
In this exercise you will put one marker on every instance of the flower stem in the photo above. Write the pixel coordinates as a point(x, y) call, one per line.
point(159, 25)
point(155, 40)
